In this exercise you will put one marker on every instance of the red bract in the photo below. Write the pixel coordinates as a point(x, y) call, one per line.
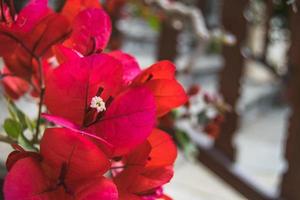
point(72, 7)
point(160, 79)
point(19, 153)
point(63, 54)
point(30, 15)
point(148, 167)
point(71, 168)
point(13, 86)
point(93, 100)
point(91, 29)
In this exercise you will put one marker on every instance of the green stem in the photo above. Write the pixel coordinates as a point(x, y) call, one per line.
point(42, 92)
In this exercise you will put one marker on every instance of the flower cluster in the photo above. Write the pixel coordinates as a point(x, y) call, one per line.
point(106, 108)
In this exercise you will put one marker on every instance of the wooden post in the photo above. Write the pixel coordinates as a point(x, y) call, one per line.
point(114, 9)
point(291, 178)
point(116, 39)
point(167, 42)
point(231, 74)
point(202, 4)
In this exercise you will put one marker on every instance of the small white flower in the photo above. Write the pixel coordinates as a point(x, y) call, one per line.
point(98, 103)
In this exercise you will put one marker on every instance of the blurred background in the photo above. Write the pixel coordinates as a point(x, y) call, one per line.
point(239, 60)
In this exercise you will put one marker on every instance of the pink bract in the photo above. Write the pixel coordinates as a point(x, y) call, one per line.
point(91, 31)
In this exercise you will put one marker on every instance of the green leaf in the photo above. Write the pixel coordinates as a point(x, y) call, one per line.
point(182, 138)
point(12, 127)
point(185, 143)
point(21, 116)
point(215, 46)
point(17, 114)
point(154, 22)
point(25, 143)
point(12, 111)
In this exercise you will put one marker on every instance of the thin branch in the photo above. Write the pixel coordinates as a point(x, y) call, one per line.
point(42, 92)
point(61, 38)
point(195, 15)
point(4, 75)
point(12, 9)
point(247, 54)
point(11, 36)
point(6, 139)
point(293, 4)
point(2, 11)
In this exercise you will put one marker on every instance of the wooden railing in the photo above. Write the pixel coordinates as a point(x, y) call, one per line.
point(220, 157)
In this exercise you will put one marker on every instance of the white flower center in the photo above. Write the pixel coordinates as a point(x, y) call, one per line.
point(98, 103)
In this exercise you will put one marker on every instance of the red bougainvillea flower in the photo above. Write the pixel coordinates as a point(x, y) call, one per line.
point(30, 36)
point(19, 153)
point(69, 167)
point(213, 127)
point(13, 86)
point(91, 31)
point(159, 78)
point(148, 167)
point(93, 100)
